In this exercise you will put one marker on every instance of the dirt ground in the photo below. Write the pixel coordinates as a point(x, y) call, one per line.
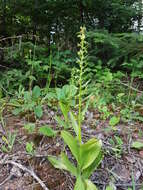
point(121, 166)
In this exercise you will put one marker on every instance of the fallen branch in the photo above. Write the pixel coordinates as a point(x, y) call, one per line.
point(29, 171)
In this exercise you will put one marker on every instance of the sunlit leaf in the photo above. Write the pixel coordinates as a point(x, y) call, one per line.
point(89, 152)
point(72, 143)
point(38, 111)
point(47, 131)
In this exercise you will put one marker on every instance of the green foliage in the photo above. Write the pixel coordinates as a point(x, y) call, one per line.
point(117, 146)
point(47, 131)
point(31, 103)
point(30, 127)
point(137, 145)
point(11, 80)
point(29, 147)
point(115, 50)
point(114, 121)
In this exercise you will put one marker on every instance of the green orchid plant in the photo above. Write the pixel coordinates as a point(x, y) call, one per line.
point(87, 155)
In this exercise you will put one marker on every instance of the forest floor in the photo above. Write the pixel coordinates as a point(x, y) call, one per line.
point(122, 165)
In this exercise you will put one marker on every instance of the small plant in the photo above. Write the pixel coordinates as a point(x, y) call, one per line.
point(114, 121)
point(87, 155)
point(8, 142)
point(117, 146)
point(47, 131)
point(30, 148)
point(66, 99)
point(30, 127)
point(31, 103)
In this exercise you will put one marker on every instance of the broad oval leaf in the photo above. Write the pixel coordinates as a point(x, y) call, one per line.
point(89, 152)
point(88, 171)
point(72, 143)
point(137, 145)
point(70, 167)
point(90, 185)
point(38, 111)
point(56, 162)
point(47, 131)
point(36, 92)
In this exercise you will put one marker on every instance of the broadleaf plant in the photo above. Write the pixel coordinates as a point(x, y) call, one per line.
point(87, 155)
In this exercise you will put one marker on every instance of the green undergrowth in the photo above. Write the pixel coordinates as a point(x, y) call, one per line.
point(73, 85)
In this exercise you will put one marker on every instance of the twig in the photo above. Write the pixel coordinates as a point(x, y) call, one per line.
point(29, 171)
point(131, 87)
point(5, 180)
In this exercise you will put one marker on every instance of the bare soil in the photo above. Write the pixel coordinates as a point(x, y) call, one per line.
point(123, 167)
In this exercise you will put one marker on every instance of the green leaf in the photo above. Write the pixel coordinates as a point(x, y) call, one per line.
point(59, 94)
point(56, 162)
point(70, 167)
point(89, 152)
point(72, 143)
point(119, 140)
point(36, 92)
point(79, 184)
point(30, 127)
point(38, 111)
point(114, 121)
point(137, 145)
point(90, 185)
point(29, 147)
point(74, 123)
point(65, 110)
point(88, 171)
point(47, 131)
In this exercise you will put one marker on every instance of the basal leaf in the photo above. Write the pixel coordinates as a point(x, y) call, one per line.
point(72, 143)
point(56, 162)
point(89, 152)
point(90, 185)
point(70, 167)
point(88, 171)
